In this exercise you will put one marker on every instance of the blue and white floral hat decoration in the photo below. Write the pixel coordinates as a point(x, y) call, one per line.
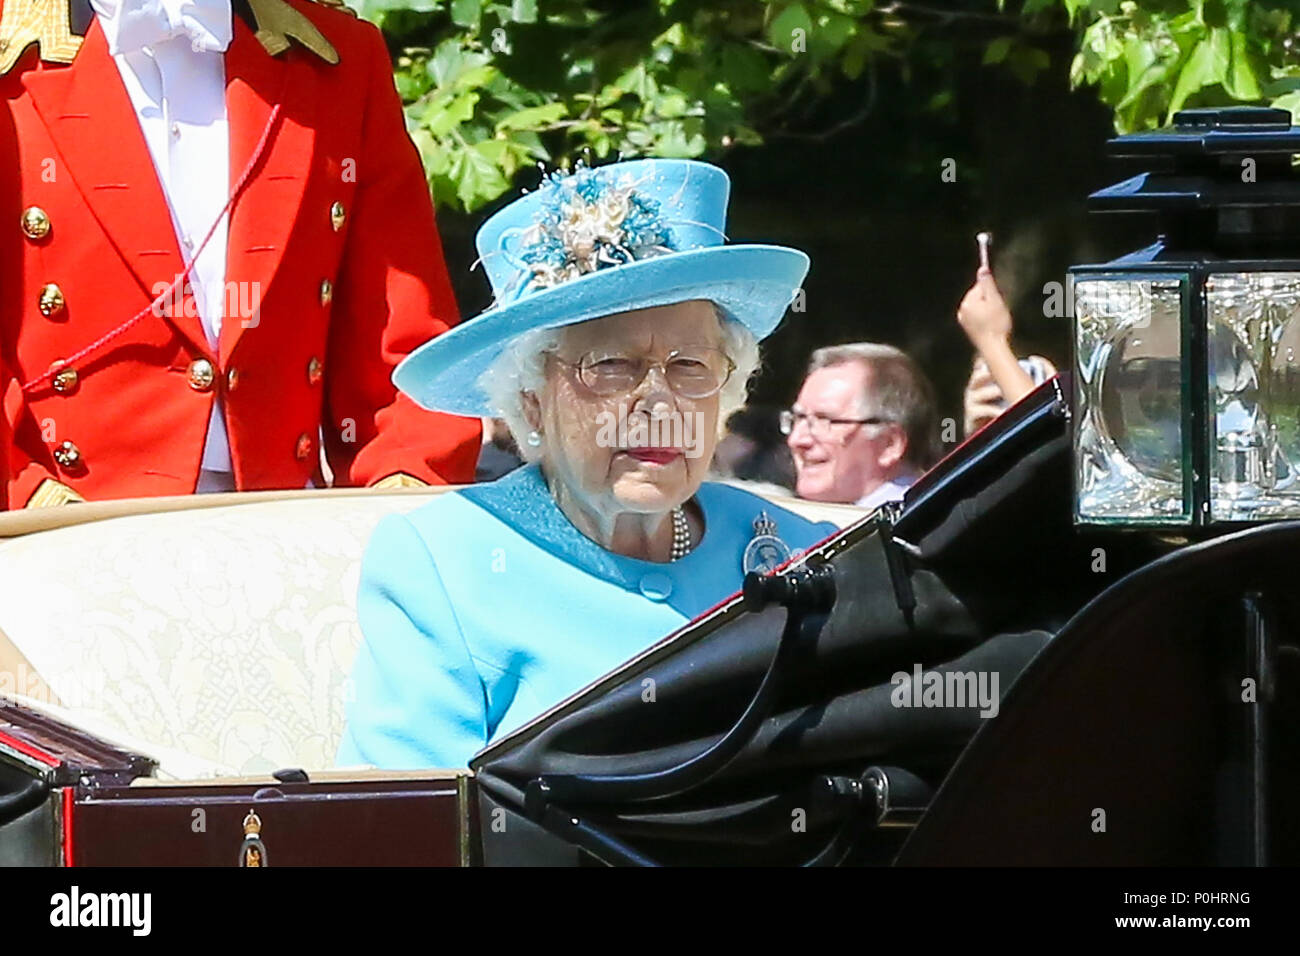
point(594, 242)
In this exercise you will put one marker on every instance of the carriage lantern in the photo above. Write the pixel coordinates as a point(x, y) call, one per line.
point(1187, 352)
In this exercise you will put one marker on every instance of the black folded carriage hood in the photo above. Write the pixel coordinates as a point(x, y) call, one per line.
point(774, 730)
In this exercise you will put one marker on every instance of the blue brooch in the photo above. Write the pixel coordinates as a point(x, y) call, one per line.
point(766, 551)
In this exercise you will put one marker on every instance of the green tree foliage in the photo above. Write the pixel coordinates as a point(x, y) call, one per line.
point(1150, 59)
point(492, 86)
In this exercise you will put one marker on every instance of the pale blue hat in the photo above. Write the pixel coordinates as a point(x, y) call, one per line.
point(597, 241)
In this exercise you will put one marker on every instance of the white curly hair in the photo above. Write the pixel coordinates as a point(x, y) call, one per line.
point(521, 368)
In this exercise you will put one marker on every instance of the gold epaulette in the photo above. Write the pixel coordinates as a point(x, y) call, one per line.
point(400, 479)
point(46, 22)
point(337, 5)
point(277, 22)
point(51, 494)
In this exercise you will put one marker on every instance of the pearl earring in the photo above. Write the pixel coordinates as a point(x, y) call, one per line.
point(534, 439)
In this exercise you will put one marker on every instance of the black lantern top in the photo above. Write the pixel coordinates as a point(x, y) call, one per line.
point(1221, 181)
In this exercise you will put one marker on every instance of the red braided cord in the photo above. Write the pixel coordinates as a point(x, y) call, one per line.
point(99, 343)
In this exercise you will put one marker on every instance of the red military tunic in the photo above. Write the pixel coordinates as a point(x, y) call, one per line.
point(5, 443)
point(10, 252)
point(334, 271)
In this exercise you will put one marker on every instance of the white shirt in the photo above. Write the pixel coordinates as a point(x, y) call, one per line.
point(170, 55)
point(892, 490)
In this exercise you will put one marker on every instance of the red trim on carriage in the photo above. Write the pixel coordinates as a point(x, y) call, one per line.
point(69, 806)
point(23, 747)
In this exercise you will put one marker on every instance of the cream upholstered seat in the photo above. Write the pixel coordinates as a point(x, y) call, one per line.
point(215, 633)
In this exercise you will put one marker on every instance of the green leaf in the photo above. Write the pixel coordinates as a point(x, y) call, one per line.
point(532, 144)
point(609, 95)
point(744, 69)
point(997, 50)
point(1221, 40)
point(1077, 71)
point(1026, 62)
point(442, 116)
point(1139, 55)
point(466, 13)
point(939, 101)
point(1239, 13)
point(693, 82)
point(832, 32)
point(475, 77)
point(369, 9)
point(479, 179)
point(1073, 7)
point(1145, 71)
point(637, 80)
point(1240, 80)
point(496, 151)
point(859, 50)
point(412, 82)
point(790, 29)
point(854, 8)
point(1203, 68)
point(1281, 86)
point(671, 105)
point(435, 159)
point(524, 11)
point(639, 137)
point(447, 62)
point(679, 139)
point(534, 117)
point(1291, 101)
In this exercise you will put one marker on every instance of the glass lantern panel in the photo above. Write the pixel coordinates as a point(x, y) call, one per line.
point(1254, 394)
point(1128, 438)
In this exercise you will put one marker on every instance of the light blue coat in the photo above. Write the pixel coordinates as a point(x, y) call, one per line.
point(486, 607)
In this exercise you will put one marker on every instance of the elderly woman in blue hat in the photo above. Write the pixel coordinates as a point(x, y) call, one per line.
point(623, 332)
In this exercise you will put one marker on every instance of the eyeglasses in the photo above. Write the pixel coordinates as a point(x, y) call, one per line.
point(821, 425)
point(696, 372)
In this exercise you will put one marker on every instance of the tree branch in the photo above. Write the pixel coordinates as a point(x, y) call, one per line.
point(869, 104)
point(902, 8)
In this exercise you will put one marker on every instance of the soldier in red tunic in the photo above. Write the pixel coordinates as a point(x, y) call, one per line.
point(226, 245)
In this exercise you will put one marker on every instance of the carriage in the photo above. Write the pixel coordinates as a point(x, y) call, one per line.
point(1111, 558)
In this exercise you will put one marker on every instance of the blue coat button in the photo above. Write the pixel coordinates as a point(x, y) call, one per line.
point(657, 586)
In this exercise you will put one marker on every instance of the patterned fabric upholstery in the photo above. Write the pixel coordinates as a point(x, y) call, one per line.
point(218, 640)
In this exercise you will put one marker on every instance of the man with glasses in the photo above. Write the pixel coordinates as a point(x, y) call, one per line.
point(863, 428)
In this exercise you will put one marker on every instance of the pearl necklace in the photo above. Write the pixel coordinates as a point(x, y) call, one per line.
point(681, 535)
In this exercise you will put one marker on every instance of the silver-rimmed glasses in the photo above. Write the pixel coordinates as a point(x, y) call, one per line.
point(822, 427)
point(696, 372)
